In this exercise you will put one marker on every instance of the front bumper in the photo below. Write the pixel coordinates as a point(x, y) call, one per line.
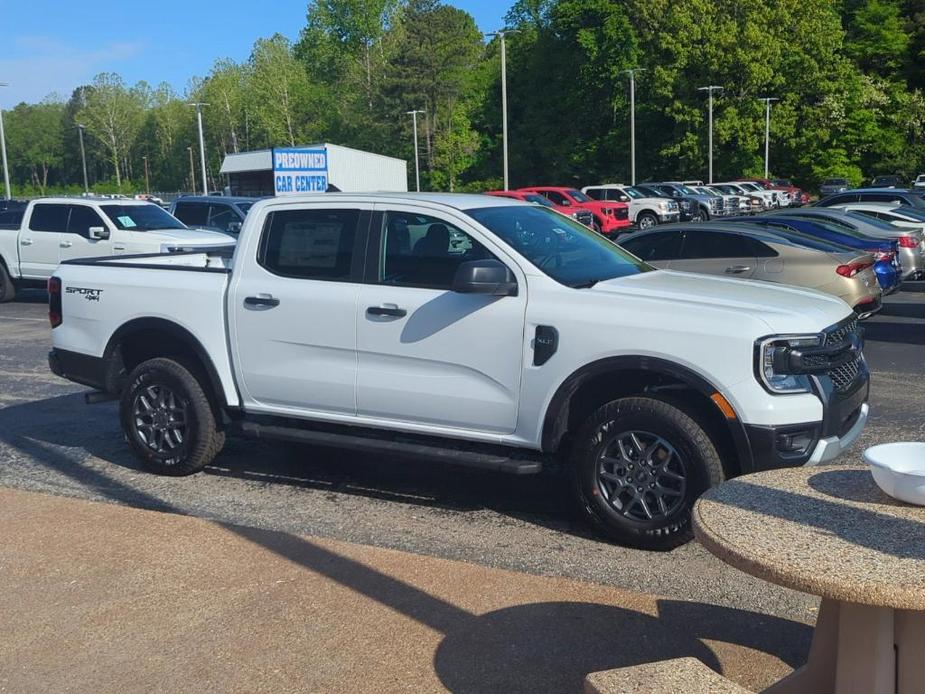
point(668, 217)
point(843, 419)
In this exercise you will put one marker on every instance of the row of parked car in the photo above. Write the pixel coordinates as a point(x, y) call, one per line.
point(616, 208)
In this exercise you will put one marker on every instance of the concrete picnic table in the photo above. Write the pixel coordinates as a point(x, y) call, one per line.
point(830, 531)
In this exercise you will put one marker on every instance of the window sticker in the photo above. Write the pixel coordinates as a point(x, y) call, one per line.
point(127, 221)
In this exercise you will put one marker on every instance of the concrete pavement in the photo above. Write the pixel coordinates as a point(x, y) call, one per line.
point(101, 598)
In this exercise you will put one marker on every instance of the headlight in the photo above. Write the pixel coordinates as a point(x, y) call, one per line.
point(773, 363)
point(685, 204)
point(663, 205)
point(574, 215)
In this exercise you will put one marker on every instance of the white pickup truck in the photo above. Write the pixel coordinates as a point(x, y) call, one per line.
point(54, 230)
point(467, 329)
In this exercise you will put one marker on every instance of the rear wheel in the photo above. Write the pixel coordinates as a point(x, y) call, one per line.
point(639, 464)
point(168, 420)
point(700, 215)
point(7, 289)
point(646, 220)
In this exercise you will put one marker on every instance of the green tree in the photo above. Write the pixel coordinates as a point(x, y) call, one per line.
point(113, 114)
point(34, 132)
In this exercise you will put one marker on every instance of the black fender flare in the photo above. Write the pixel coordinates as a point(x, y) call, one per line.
point(113, 360)
point(556, 418)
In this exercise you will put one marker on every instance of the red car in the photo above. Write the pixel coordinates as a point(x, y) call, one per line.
point(797, 196)
point(579, 214)
point(610, 217)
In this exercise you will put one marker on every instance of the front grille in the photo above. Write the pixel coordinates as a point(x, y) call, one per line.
point(716, 203)
point(585, 218)
point(844, 376)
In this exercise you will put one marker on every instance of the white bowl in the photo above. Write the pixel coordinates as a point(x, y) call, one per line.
point(899, 470)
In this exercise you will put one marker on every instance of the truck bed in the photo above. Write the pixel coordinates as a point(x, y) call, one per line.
point(187, 290)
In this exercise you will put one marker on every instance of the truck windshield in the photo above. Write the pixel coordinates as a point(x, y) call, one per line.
point(563, 249)
point(141, 217)
point(633, 193)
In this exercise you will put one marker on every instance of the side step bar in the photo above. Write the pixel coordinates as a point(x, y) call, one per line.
point(467, 456)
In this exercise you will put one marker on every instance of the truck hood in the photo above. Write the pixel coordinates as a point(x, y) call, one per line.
point(784, 309)
point(190, 237)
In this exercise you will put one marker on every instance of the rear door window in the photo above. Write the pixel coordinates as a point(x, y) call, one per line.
point(595, 193)
point(312, 244)
point(49, 217)
point(702, 244)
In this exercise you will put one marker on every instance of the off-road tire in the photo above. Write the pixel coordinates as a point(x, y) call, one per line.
point(7, 288)
point(202, 439)
point(696, 454)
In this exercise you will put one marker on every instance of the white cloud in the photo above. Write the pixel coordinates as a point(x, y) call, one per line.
point(40, 65)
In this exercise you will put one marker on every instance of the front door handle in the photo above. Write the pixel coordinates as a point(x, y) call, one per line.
point(737, 269)
point(65, 244)
point(261, 302)
point(391, 310)
point(118, 247)
point(25, 242)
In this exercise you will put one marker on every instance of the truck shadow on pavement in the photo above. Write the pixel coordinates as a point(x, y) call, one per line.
point(40, 428)
point(536, 647)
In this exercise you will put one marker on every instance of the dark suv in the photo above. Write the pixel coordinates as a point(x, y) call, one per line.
point(213, 212)
point(886, 182)
point(895, 196)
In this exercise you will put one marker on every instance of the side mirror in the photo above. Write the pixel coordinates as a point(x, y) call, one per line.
point(98, 233)
point(490, 277)
point(234, 228)
point(566, 202)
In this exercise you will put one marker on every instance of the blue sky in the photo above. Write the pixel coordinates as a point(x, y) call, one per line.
point(56, 45)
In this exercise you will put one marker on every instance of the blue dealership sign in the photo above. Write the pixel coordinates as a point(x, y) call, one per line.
point(300, 170)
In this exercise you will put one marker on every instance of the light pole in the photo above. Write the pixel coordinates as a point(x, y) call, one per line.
point(632, 73)
point(83, 156)
point(710, 91)
point(767, 127)
point(147, 185)
point(192, 170)
point(202, 146)
point(417, 171)
point(502, 34)
point(6, 169)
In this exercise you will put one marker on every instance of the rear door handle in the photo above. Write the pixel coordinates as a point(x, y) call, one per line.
point(65, 244)
point(261, 302)
point(118, 248)
point(391, 310)
point(737, 269)
point(25, 242)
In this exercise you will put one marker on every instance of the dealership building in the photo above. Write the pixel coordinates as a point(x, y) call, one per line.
point(312, 168)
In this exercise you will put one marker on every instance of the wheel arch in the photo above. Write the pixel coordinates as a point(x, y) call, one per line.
point(596, 383)
point(131, 344)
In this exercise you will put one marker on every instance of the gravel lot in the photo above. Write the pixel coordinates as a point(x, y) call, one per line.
point(51, 442)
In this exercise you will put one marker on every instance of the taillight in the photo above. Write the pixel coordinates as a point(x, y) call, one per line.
point(54, 302)
point(851, 269)
point(907, 242)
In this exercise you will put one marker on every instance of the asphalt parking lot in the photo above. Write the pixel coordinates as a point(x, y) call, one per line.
point(50, 441)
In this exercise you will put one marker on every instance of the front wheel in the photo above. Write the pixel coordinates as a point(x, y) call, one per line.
point(639, 465)
point(647, 220)
point(168, 420)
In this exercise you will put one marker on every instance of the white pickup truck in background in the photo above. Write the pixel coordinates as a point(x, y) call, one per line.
point(468, 329)
point(54, 230)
